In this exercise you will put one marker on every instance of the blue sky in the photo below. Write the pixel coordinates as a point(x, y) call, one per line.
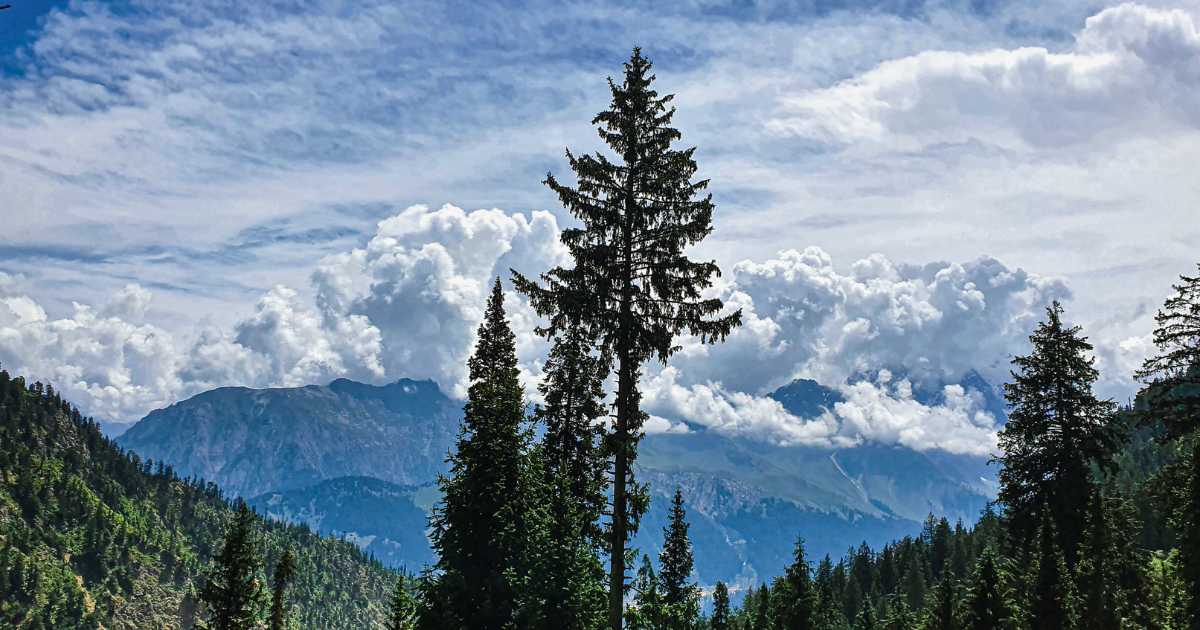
point(215, 193)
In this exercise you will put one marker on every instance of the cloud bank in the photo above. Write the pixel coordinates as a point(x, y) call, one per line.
point(408, 302)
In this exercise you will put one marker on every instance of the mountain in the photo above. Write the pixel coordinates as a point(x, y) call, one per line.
point(385, 520)
point(252, 441)
point(95, 537)
point(747, 501)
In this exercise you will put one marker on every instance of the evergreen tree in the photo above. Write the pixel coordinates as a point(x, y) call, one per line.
point(573, 394)
point(680, 596)
point(987, 606)
point(1052, 602)
point(1189, 548)
point(482, 530)
point(1056, 431)
point(402, 610)
point(1172, 375)
point(794, 594)
point(866, 619)
point(569, 581)
point(646, 613)
point(762, 619)
point(721, 619)
point(285, 570)
point(571, 576)
point(1171, 399)
point(1098, 586)
point(943, 607)
point(899, 616)
point(233, 591)
point(632, 287)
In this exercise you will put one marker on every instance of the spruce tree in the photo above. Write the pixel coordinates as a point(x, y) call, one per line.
point(572, 391)
point(1189, 548)
point(866, 619)
point(943, 606)
point(1098, 585)
point(680, 595)
point(285, 570)
point(402, 610)
point(1171, 399)
point(646, 613)
point(1052, 601)
point(569, 581)
point(987, 606)
point(632, 286)
point(795, 595)
point(481, 530)
point(233, 591)
point(721, 616)
point(1056, 432)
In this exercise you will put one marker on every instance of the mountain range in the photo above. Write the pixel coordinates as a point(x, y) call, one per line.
point(360, 461)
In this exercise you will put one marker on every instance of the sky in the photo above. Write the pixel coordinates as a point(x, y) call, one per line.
point(214, 193)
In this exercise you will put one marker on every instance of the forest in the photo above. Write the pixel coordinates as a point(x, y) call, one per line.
point(1096, 524)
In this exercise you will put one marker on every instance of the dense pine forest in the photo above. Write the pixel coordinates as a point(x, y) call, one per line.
point(1096, 525)
point(92, 537)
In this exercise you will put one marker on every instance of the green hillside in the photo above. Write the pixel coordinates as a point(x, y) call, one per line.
point(92, 537)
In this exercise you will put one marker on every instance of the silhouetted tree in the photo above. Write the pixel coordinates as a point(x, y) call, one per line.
point(632, 288)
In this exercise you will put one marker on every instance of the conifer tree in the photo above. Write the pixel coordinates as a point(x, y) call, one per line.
point(632, 287)
point(573, 394)
point(569, 581)
point(1171, 399)
point(987, 606)
point(1056, 432)
point(721, 616)
point(943, 606)
point(680, 595)
point(1097, 583)
point(866, 619)
point(1052, 602)
point(285, 570)
point(482, 528)
point(646, 613)
point(233, 591)
point(762, 609)
point(402, 610)
point(795, 595)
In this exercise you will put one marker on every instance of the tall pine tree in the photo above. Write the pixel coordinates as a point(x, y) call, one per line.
point(402, 610)
point(1052, 601)
point(1171, 399)
point(988, 606)
point(722, 616)
point(285, 570)
point(1056, 432)
point(632, 287)
point(233, 590)
point(795, 595)
point(680, 595)
point(482, 528)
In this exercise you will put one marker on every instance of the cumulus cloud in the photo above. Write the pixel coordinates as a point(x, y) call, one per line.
point(407, 303)
point(933, 322)
point(1131, 70)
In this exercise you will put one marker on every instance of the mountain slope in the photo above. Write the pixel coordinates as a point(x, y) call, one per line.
point(252, 441)
point(747, 500)
point(385, 520)
point(93, 537)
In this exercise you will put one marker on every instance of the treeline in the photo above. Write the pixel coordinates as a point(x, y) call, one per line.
point(94, 537)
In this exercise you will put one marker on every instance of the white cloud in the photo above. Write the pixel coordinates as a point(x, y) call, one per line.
point(1133, 70)
point(934, 322)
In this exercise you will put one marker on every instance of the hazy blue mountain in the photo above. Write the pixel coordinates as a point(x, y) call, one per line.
point(386, 520)
point(252, 441)
point(359, 461)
